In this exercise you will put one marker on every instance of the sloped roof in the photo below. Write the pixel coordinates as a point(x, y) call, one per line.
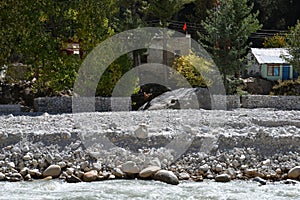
point(270, 55)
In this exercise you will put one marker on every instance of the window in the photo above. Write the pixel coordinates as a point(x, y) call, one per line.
point(273, 70)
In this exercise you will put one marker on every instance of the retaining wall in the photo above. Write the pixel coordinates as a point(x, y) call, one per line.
point(10, 108)
point(64, 104)
point(266, 101)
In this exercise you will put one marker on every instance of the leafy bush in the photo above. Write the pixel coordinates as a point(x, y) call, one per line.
point(183, 65)
point(288, 87)
point(277, 41)
point(54, 77)
point(235, 86)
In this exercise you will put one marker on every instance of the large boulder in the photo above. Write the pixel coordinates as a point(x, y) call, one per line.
point(52, 170)
point(222, 178)
point(166, 177)
point(149, 171)
point(130, 167)
point(90, 176)
point(294, 173)
point(183, 98)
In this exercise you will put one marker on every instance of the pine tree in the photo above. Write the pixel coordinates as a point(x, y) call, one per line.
point(228, 27)
point(293, 46)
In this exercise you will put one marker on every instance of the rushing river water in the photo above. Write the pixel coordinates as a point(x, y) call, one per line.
point(137, 189)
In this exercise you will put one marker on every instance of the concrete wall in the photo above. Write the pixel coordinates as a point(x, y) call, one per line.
point(182, 45)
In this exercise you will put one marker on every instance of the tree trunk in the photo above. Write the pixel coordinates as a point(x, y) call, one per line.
point(136, 60)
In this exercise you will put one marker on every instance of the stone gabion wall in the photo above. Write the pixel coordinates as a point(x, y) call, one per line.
point(102, 104)
point(53, 104)
point(64, 104)
point(232, 101)
point(266, 101)
point(10, 108)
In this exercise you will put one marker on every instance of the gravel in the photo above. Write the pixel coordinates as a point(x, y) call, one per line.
point(194, 144)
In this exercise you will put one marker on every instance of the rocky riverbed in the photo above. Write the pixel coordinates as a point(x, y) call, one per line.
point(165, 145)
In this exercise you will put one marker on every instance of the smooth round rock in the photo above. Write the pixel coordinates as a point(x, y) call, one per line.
point(70, 171)
point(62, 164)
point(184, 176)
point(294, 173)
point(52, 170)
point(149, 171)
point(251, 172)
point(48, 178)
point(223, 178)
point(166, 177)
point(130, 167)
point(141, 132)
point(204, 167)
point(90, 176)
point(218, 168)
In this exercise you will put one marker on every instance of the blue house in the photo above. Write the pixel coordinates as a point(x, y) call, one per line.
point(270, 64)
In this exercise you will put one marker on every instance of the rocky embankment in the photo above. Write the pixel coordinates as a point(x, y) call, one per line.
point(164, 145)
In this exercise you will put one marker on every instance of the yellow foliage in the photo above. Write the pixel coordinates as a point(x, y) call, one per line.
point(277, 41)
point(193, 68)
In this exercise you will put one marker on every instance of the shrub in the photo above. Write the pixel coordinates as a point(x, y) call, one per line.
point(183, 65)
point(288, 87)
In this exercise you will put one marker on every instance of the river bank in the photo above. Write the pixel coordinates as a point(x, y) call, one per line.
point(258, 144)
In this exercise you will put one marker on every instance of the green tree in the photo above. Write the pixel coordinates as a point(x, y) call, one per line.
point(165, 10)
point(112, 75)
point(131, 14)
point(228, 27)
point(195, 11)
point(277, 14)
point(293, 46)
point(35, 34)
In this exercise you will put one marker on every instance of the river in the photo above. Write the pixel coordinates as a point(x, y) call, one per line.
point(140, 190)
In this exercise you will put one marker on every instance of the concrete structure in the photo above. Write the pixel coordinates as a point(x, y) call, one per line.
point(269, 63)
point(179, 46)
